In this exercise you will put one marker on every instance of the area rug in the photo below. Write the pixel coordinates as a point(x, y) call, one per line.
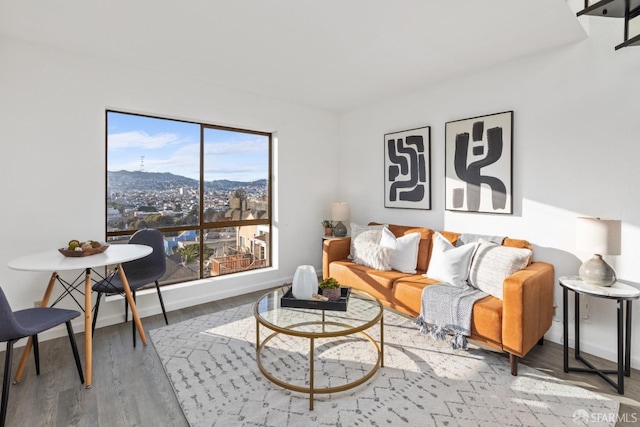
point(211, 363)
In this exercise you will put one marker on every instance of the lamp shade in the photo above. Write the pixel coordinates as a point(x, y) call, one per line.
point(339, 211)
point(598, 236)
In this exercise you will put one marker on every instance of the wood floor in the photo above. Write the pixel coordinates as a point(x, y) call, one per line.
point(130, 387)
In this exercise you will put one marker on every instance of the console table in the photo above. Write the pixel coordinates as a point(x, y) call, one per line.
point(623, 294)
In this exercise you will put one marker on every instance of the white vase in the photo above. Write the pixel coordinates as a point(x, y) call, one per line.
point(305, 282)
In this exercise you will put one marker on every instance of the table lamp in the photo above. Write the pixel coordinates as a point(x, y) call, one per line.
point(600, 237)
point(339, 213)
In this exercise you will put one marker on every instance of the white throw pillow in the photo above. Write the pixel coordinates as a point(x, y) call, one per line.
point(448, 263)
point(405, 250)
point(356, 229)
point(368, 252)
point(493, 263)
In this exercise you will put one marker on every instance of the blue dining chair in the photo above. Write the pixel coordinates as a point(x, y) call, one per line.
point(15, 325)
point(139, 273)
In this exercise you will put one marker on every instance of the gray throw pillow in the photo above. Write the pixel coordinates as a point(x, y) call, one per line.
point(493, 263)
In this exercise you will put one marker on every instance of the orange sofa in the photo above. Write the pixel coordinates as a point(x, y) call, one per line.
point(513, 325)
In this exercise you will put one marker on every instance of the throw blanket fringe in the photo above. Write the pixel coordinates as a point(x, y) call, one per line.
point(438, 333)
point(448, 309)
point(424, 327)
point(459, 341)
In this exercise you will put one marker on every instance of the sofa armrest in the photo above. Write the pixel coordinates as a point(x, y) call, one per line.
point(334, 250)
point(527, 308)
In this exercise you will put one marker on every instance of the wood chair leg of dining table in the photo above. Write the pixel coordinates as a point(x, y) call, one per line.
point(132, 305)
point(88, 333)
point(27, 348)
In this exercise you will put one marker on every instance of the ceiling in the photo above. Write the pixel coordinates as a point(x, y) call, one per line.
point(332, 54)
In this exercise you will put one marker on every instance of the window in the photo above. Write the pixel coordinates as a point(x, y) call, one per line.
point(207, 188)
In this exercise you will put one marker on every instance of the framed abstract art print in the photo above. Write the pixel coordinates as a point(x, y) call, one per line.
point(478, 170)
point(407, 169)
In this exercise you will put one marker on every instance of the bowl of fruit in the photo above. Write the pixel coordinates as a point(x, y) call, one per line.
point(76, 248)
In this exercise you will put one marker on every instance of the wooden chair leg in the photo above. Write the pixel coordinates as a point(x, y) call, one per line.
point(164, 312)
point(74, 348)
point(5, 382)
point(36, 353)
point(513, 361)
point(541, 342)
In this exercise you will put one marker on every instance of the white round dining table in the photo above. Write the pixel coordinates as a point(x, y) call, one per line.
point(53, 261)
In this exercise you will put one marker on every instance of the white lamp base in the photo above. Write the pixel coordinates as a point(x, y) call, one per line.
point(596, 271)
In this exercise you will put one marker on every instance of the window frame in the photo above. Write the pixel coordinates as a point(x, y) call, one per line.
point(202, 226)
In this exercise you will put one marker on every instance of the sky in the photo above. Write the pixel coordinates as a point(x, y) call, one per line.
point(150, 144)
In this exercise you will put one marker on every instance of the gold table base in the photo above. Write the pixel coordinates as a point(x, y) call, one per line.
point(312, 390)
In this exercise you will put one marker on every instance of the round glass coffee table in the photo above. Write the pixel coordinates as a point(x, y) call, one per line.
point(363, 312)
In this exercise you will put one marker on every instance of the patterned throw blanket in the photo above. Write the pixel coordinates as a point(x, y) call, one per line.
point(448, 309)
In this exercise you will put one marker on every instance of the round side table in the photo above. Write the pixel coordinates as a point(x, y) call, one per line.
point(620, 292)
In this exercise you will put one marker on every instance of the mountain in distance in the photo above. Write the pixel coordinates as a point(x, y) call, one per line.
point(138, 180)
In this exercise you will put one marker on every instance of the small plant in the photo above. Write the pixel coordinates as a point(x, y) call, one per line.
point(330, 288)
point(329, 283)
point(327, 223)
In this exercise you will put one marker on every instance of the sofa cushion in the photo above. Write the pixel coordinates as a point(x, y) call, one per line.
point(451, 236)
point(407, 293)
point(404, 255)
point(450, 264)
point(517, 243)
point(376, 282)
point(367, 251)
point(486, 321)
point(493, 263)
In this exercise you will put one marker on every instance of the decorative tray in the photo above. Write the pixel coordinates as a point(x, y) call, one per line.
point(86, 252)
point(288, 300)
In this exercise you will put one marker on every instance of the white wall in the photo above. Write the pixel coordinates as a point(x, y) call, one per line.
point(52, 139)
point(576, 152)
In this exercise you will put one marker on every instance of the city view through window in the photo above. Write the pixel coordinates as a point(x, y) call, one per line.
point(207, 188)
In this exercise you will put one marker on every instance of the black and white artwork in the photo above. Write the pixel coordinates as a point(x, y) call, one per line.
point(478, 174)
point(407, 169)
